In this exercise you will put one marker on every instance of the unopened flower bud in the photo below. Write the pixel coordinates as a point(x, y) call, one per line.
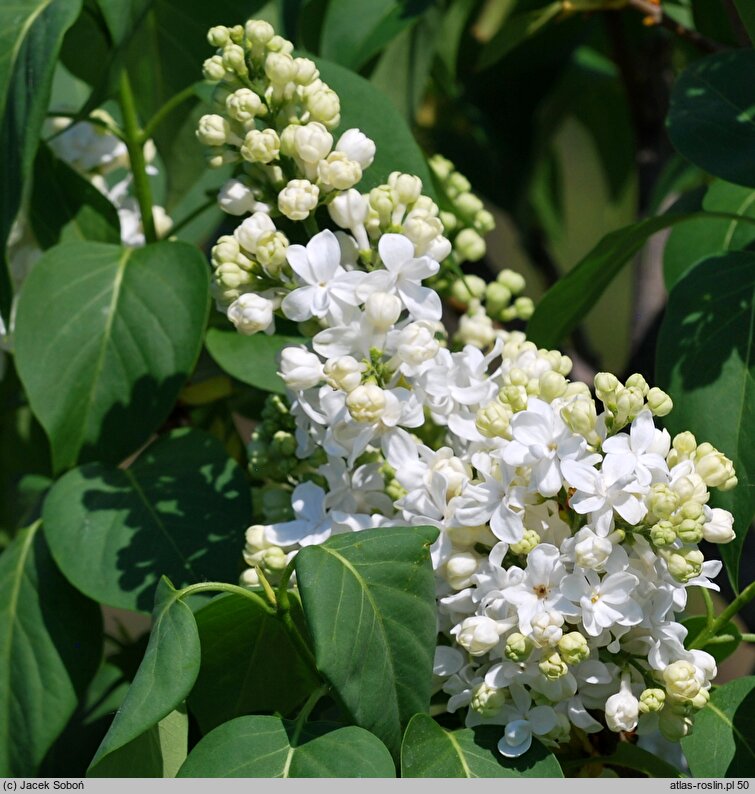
point(406, 188)
point(251, 313)
point(685, 444)
point(271, 251)
point(366, 403)
point(497, 298)
point(493, 420)
point(573, 648)
point(469, 245)
point(518, 647)
point(636, 381)
point(680, 678)
point(674, 726)
point(344, 373)
point(349, 209)
point(685, 564)
point(258, 31)
point(261, 146)
point(478, 634)
point(298, 199)
point(512, 280)
point(234, 59)
point(357, 146)
point(652, 700)
point(487, 700)
point(662, 501)
point(383, 310)
point(529, 540)
point(689, 531)
point(324, 106)
point(553, 666)
point(467, 288)
point(280, 68)
point(213, 69)
point(552, 385)
point(714, 467)
point(622, 709)
point(719, 527)
point(212, 130)
point(236, 198)
point(338, 172)
point(606, 385)
point(300, 369)
point(460, 568)
point(251, 230)
point(659, 402)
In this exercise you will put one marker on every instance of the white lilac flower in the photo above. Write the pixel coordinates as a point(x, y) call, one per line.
point(311, 524)
point(603, 602)
point(403, 275)
point(326, 288)
point(522, 722)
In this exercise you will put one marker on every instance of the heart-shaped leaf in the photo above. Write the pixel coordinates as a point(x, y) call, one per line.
point(430, 751)
point(723, 744)
point(369, 600)
point(164, 679)
point(711, 119)
point(50, 648)
point(706, 362)
point(268, 673)
point(105, 338)
point(272, 747)
point(178, 511)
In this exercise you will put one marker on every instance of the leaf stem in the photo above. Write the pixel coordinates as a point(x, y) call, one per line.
point(165, 110)
point(714, 628)
point(225, 587)
point(133, 138)
point(710, 611)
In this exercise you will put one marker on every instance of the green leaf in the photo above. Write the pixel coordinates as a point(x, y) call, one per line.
point(164, 679)
point(430, 751)
point(75, 747)
point(158, 752)
point(31, 32)
point(722, 744)
point(711, 119)
point(179, 510)
point(272, 747)
point(128, 327)
point(718, 650)
point(355, 31)
point(403, 70)
point(66, 207)
point(515, 30)
point(363, 106)
point(705, 362)
point(746, 12)
point(50, 648)
point(369, 600)
point(690, 243)
point(251, 359)
point(267, 673)
point(628, 756)
point(565, 304)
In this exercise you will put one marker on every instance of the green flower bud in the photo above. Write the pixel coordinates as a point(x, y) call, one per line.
point(512, 280)
point(518, 647)
point(484, 222)
point(468, 204)
point(684, 443)
point(714, 467)
point(659, 402)
point(493, 420)
point(581, 416)
point(662, 501)
point(525, 307)
point(487, 700)
point(681, 680)
point(662, 534)
point(652, 700)
point(573, 648)
point(213, 69)
point(551, 385)
point(258, 31)
point(261, 146)
point(283, 444)
point(606, 385)
point(553, 666)
point(685, 564)
point(234, 59)
point(458, 183)
point(468, 288)
point(515, 396)
point(497, 298)
point(674, 726)
point(636, 381)
point(528, 542)
point(218, 36)
point(469, 245)
point(689, 531)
